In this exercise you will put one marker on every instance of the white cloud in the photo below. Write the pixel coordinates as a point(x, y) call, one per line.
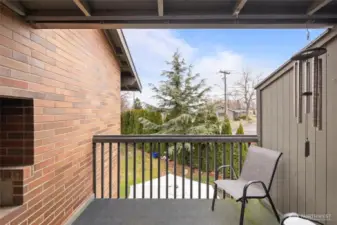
point(154, 47)
point(151, 48)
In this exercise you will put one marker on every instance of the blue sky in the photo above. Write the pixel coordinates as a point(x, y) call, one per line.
point(259, 51)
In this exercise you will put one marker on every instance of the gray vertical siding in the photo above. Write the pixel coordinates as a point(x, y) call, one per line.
point(286, 144)
point(310, 161)
point(293, 142)
point(300, 154)
point(303, 185)
point(280, 145)
point(321, 152)
point(331, 134)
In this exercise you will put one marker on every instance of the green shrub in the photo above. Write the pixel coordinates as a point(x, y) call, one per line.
point(130, 121)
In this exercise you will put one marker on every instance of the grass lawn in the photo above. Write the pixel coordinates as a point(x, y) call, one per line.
point(147, 170)
point(138, 169)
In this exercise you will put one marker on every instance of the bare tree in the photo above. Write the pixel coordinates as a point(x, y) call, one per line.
point(245, 90)
point(125, 101)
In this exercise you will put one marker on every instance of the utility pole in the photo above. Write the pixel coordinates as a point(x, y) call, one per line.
point(225, 73)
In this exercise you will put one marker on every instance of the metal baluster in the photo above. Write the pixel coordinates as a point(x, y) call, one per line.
point(199, 172)
point(224, 163)
point(151, 170)
point(94, 168)
point(126, 170)
point(118, 168)
point(102, 170)
point(191, 171)
point(175, 171)
point(183, 169)
point(215, 158)
point(159, 170)
point(167, 158)
point(134, 170)
point(143, 168)
point(110, 170)
point(207, 172)
point(231, 161)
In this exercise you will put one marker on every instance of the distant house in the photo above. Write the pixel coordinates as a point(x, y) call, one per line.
point(233, 114)
point(236, 114)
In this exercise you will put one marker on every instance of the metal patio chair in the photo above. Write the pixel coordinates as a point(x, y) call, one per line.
point(255, 179)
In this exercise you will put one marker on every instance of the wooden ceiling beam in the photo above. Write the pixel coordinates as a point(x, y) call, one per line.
point(239, 6)
point(83, 6)
point(317, 5)
point(15, 6)
point(160, 4)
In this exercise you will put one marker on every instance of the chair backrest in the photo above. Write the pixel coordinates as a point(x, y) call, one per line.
point(260, 164)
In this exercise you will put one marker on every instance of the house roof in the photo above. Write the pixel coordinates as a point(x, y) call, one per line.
point(326, 36)
point(129, 76)
point(107, 14)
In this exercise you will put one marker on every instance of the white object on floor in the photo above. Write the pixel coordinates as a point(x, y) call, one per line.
point(179, 189)
point(297, 221)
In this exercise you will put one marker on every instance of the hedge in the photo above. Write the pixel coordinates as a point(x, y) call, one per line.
point(130, 121)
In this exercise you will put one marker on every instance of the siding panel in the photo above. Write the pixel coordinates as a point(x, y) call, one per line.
point(310, 160)
point(293, 133)
point(321, 151)
point(300, 158)
point(332, 133)
point(280, 147)
point(274, 131)
point(287, 100)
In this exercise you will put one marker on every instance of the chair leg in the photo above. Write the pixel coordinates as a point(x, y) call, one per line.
point(214, 196)
point(243, 206)
point(273, 207)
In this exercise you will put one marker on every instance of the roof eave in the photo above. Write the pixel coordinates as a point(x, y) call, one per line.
point(284, 65)
point(129, 76)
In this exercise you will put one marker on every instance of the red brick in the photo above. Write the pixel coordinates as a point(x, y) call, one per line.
point(13, 83)
point(44, 164)
point(43, 118)
point(43, 103)
point(37, 63)
point(43, 58)
point(41, 88)
point(6, 32)
point(11, 63)
point(21, 57)
point(11, 44)
point(5, 51)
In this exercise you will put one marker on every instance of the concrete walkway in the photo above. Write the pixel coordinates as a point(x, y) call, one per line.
point(249, 128)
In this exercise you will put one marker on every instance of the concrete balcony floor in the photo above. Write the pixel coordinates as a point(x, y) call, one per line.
point(172, 212)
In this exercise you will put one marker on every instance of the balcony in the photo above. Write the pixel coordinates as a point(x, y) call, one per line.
point(167, 180)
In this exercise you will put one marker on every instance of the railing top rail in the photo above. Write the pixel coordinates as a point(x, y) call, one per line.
point(174, 138)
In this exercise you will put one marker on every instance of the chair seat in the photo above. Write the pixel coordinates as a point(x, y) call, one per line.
point(235, 188)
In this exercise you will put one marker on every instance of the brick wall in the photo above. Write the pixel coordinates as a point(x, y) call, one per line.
point(74, 81)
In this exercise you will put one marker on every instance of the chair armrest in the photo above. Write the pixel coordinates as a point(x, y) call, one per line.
point(225, 166)
point(253, 182)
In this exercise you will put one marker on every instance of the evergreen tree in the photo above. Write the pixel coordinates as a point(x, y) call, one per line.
point(180, 92)
point(244, 149)
point(240, 130)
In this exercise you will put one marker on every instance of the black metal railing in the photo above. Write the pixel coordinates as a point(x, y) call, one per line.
point(124, 162)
